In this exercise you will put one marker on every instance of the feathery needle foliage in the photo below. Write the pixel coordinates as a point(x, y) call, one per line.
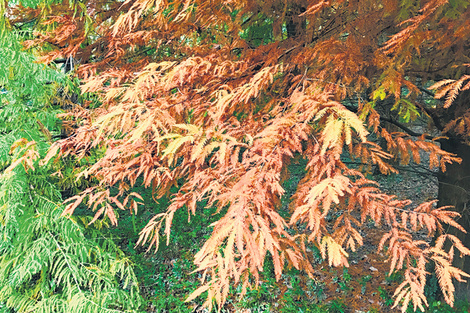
point(47, 263)
point(208, 102)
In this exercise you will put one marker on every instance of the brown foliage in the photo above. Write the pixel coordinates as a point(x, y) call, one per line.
point(190, 100)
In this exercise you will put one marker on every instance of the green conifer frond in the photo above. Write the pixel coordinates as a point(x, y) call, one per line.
point(48, 263)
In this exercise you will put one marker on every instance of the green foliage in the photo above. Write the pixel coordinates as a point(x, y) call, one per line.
point(30, 3)
point(437, 306)
point(388, 301)
point(406, 110)
point(290, 294)
point(27, 81)
point(363, 282)
point(259, 31)
point(47, 263)
point(25, 90)
point(456, 8)
point(337, 306)
point(343, 281)
point(172, 280)
point(395, 277)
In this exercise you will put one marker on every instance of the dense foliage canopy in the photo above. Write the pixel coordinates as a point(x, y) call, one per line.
point(209, 102)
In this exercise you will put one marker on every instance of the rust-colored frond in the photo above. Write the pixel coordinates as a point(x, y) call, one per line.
point(451, 88)
point(443, 266)
point(333, 252)
point(26, 154)
point(412, 288)
point(405, 37)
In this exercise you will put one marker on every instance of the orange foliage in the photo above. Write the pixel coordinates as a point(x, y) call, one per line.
point(191, 99)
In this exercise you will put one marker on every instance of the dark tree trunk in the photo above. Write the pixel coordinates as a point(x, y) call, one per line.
point(454, 189)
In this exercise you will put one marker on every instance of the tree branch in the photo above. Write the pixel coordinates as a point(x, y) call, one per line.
point(406, 129)
point(400, 125)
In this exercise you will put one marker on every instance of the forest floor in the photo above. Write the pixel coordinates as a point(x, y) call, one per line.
point(370, 287)
point(364, 286)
